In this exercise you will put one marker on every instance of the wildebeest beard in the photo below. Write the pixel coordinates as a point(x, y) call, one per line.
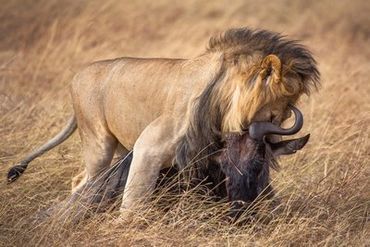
point(246, 164)
point(241, 171)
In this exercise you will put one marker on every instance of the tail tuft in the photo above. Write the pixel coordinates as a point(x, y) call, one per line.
point(16, 171)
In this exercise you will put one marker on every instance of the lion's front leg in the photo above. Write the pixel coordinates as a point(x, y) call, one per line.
point(152, 151)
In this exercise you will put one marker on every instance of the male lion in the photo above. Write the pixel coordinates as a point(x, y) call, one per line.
point(180, 110)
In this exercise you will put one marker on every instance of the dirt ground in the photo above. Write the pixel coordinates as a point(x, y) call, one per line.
point(323, 191)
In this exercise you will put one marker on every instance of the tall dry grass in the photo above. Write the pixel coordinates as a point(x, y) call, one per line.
point(322, 193)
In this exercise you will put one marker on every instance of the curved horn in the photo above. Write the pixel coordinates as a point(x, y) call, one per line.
point(257, 130)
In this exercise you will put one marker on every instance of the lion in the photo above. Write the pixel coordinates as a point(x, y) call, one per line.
point(179, 110)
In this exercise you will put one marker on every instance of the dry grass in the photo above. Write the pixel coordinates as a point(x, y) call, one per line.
point(322, 192)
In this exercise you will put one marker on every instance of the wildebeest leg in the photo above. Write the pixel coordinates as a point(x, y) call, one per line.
point(151, 151)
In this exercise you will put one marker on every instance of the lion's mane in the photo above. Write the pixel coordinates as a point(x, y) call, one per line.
point(213, 113)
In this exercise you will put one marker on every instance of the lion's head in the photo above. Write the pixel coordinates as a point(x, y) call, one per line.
point(261, 74)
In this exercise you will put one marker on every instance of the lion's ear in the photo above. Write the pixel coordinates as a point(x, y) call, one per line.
point(271, 69)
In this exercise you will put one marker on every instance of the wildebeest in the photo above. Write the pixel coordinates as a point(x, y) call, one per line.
point(180, 110)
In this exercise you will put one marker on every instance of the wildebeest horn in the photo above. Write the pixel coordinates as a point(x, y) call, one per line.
point(257, 130)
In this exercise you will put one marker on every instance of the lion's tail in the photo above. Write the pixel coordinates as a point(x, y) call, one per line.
point(17, 170)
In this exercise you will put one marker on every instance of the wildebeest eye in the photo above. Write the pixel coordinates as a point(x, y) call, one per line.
point(272, 117)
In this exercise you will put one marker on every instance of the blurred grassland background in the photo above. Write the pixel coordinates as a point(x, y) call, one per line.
point(323, 191)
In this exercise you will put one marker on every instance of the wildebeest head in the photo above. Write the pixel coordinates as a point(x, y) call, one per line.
point(247, 157)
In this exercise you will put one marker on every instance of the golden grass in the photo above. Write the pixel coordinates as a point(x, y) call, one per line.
point(322, 192)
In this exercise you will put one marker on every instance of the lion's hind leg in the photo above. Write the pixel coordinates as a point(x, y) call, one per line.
point(98, 150)
point(79, 180)
point(98, 146)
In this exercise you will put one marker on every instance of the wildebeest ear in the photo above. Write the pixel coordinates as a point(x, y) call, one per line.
point(271, 69)
point(289, 146)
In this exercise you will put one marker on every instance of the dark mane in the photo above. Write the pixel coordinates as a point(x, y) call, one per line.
point(245, 41)
point(203, 136)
